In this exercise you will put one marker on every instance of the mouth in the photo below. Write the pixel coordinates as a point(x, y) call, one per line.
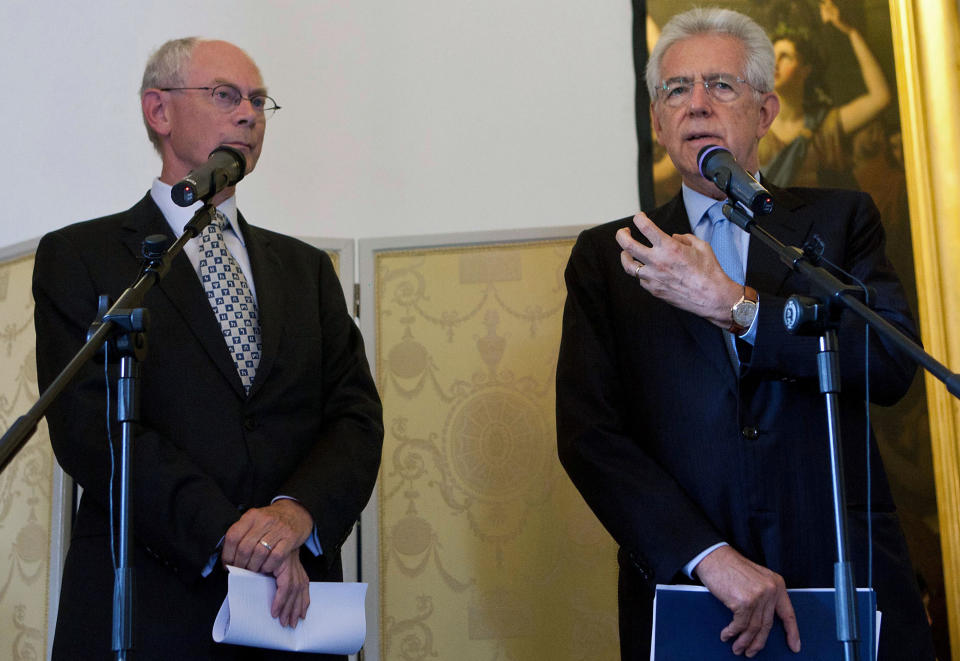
point(241, 146)
point(704, 138)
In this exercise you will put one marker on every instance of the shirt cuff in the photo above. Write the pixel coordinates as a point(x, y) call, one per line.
point(214, 558)
point(690, 566)
point(750, 337)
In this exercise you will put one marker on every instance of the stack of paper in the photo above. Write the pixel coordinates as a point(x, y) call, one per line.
point(335, 622)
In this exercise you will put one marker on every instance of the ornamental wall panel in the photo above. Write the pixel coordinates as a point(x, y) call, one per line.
point(485, 550)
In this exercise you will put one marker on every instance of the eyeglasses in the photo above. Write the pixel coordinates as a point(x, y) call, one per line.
point(722, 87)
point(228, 97)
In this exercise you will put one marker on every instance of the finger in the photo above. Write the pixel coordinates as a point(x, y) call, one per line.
point(262, 551)
point(650, 231)
point(305, 601)
point(736, 627)
point(272, 561)
point(293, 609)
point(786, 614)
point(233, 537)
point(299, 610)
point(246, 550)
point(766, 623)
point(280, 598)
point(631, 246)
point(746, 637)
point(631, 266)
point(685, 239)
point(289, 608)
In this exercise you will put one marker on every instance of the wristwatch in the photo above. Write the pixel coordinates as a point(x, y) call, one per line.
point(743, 311)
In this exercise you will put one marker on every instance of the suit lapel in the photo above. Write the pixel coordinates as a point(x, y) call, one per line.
point(271, 296)
point(672, 219)
point(182, 289)
point(765, 271)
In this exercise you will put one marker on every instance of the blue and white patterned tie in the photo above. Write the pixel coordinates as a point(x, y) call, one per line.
point(231, 299)
point(719, 234)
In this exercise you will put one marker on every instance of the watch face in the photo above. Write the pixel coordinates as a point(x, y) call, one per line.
point(744, 312)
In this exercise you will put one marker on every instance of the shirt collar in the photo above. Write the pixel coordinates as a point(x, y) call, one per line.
point(177, 217)
point(697, 203)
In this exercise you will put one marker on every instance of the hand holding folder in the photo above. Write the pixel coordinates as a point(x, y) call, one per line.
point(687, 621)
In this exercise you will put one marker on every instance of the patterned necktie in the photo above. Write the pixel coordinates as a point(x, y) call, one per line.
point(231, 300)
point(719, 234)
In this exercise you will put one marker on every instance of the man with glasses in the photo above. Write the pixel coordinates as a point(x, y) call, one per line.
point(261, 427)
point(687, 416)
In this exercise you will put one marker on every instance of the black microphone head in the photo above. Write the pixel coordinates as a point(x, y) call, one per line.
point(706, 156)
point(184, 192)
point(225, 166)
point(719, 165)
point(237, 168)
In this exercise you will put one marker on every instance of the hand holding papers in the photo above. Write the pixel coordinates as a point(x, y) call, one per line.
point(335, 622)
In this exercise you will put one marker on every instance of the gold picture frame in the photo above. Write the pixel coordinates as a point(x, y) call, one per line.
point(929, 94)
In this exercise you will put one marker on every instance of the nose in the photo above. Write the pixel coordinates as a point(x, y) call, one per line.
point(699, 100)
point(244, 112)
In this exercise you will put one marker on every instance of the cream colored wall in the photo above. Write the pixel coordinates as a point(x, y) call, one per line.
point(399, 116)
point(27, 484)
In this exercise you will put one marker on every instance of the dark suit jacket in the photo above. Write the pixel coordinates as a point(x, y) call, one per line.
point(311, 427)
point(674, 453)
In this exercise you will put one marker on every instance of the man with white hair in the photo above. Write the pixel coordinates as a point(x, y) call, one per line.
point(687, 416)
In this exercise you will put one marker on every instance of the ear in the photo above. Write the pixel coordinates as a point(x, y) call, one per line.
point(155, 111)
point(769, 109)
point(655, 122)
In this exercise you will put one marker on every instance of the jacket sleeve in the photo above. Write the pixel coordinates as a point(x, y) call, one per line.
point(336, 477)
point(600, 432)
point(856, 244)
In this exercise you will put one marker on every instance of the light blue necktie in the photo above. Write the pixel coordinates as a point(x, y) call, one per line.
point(719, 234)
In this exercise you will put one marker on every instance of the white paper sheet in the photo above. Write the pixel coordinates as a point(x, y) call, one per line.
point(335, 622)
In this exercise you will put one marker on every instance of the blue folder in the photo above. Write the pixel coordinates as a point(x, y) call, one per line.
point(687, 621)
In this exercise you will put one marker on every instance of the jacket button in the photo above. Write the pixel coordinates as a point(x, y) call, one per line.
point(249, 424)
point(750, 433)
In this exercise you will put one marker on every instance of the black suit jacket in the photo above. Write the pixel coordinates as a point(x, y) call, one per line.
point(675, 453)
point(311, 427)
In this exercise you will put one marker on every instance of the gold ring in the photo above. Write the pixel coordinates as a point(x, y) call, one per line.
point(636, 273)
point(264, 543)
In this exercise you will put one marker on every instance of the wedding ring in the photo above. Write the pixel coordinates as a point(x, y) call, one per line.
point(637, 271)
point(264, 543)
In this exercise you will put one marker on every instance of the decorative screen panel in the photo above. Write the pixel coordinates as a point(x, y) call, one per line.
point(486, 551)
point(27, 484)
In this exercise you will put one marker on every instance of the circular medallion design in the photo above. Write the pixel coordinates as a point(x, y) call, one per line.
point(412, 535)
point(408, 359)
point(496, 444)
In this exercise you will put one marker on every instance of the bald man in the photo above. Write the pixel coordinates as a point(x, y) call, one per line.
point(260, 434)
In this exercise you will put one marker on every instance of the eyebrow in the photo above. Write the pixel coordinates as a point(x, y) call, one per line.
point(704, 76)
point(257, 91)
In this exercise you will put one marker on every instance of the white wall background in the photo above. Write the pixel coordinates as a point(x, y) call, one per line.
point(400, 117)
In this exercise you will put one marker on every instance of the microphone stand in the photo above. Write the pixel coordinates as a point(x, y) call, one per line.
point(124, 326)
point(821, 315)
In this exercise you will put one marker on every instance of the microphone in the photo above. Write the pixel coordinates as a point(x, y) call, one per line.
point(224, 168)
point(719, 166)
